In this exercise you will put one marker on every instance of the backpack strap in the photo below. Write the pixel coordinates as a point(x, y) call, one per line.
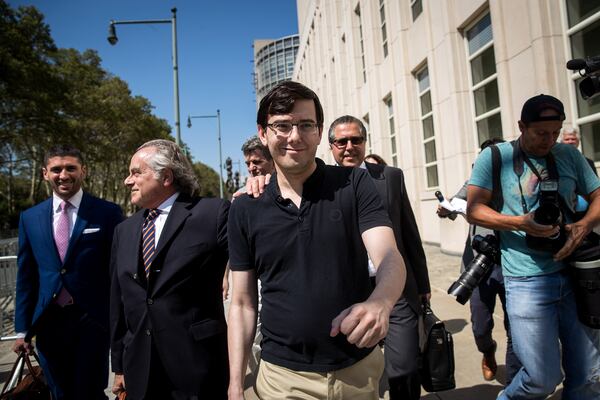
point(497, 198)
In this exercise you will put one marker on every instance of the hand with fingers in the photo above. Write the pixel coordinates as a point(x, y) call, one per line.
point(255, 185)
point(529, 226)
point(22, 346)
point(364, 324)
point(575, 234)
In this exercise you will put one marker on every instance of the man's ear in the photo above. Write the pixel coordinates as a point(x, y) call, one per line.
point(45, 174)
point(262, 134)
point(522, 126)
point(168, 177)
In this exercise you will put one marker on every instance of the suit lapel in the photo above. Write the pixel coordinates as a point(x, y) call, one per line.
point(83, 214)
point(177, 216)
point(46, 229)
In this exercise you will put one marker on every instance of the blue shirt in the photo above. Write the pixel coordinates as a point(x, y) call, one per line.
point(575, 177)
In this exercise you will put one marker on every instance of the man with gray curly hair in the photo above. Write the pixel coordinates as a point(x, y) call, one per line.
point(168, 329)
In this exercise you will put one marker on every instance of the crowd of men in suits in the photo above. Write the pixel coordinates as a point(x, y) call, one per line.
point(150, 287)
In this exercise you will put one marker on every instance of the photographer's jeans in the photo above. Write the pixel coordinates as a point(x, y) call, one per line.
point(542, 312)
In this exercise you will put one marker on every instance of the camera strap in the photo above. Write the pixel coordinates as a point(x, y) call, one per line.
point(520, 158)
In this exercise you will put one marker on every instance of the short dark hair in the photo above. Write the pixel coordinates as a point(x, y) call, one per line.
point(63, 150)
point(254, 144)
point(377, 158)
point(346, 119)
point(281, 99)
point(489, 142)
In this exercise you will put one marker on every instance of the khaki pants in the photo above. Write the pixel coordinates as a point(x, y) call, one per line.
point(358, 382)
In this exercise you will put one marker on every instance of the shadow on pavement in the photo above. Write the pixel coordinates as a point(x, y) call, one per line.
point(478, 392)
point(455, 325)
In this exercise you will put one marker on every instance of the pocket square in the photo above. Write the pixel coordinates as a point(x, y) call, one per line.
point(90, 230)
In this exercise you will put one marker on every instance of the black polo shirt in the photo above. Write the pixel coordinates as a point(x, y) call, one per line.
point(311, 262)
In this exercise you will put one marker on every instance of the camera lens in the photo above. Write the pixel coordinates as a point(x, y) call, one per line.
point(547, 214)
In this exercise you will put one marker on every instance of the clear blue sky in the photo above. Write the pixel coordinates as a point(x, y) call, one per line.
point(215, 57)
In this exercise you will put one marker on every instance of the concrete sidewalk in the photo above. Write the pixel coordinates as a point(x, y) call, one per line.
point(470, 385)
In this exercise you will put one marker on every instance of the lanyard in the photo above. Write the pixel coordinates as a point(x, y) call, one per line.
point(519, 157)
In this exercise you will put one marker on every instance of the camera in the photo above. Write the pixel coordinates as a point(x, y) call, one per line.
point(548, 213)
point(585, 277)
point(589, 69)
point(489, 255)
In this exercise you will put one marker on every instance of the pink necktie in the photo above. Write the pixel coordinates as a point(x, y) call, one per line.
point(61, 238)
point(61, 233)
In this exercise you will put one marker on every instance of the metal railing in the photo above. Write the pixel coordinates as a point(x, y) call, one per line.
point(8, 280)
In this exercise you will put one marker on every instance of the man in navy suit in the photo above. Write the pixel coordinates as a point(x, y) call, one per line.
point(63, 280)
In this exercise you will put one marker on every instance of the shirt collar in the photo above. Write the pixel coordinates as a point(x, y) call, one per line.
point(314, 180)
point(362, 165)
point(75, 200)
point(165, 206)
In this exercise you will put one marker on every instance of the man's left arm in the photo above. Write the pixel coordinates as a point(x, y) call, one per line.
point(27, 287)
point(366, 323)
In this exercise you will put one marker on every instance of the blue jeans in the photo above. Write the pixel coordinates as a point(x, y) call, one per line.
point(543, 321)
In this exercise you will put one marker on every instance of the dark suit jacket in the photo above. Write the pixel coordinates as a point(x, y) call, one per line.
point(389, 182)
point(177, 316)
point(85, 272)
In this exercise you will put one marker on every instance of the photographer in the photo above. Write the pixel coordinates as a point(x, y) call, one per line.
point(483, 299)
point(539, 296)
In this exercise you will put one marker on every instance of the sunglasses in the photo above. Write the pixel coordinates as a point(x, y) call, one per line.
point(342, 142)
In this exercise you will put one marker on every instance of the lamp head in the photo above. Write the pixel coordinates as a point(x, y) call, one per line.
point(112, 34)
point(189, 122)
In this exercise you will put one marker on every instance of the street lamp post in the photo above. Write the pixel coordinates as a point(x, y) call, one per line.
point(112, 39)
point(218, 117)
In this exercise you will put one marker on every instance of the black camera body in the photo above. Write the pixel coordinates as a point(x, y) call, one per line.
point(548, 213)
point(478, 269)
point(589, 68)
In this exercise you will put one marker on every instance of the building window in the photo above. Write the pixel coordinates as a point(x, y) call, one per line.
point(424, 91)
point(416, 7)
point(583, 31)
point(361, 47)
point(369, 143)
point(484, 82)
point(389, 105)
point(384, 40)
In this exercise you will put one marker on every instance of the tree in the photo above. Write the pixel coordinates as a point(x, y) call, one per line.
point(208, 179)
point(50, 96)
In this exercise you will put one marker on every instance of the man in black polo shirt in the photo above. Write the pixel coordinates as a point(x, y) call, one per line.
point(306, 239)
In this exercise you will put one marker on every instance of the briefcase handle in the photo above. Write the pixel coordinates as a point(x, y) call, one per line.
point(17, 370)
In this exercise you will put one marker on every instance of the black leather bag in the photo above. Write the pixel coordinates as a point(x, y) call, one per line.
point(26, 385)
point(437, 354)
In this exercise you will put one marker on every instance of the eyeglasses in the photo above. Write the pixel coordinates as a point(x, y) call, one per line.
point(342, 142)
point(285, 128)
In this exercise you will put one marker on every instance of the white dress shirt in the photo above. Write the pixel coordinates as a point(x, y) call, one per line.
point(72, 211)
point(159, 223)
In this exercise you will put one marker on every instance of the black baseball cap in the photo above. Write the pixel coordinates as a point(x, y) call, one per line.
point(534, 106)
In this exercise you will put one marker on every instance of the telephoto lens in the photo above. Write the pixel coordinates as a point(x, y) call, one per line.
point(478, 269)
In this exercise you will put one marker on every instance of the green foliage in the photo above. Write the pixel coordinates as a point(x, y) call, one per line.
point(50, 96)
point(208, 179)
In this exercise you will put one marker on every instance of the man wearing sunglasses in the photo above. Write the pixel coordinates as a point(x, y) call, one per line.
point(306, 238)
point(347, 138)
